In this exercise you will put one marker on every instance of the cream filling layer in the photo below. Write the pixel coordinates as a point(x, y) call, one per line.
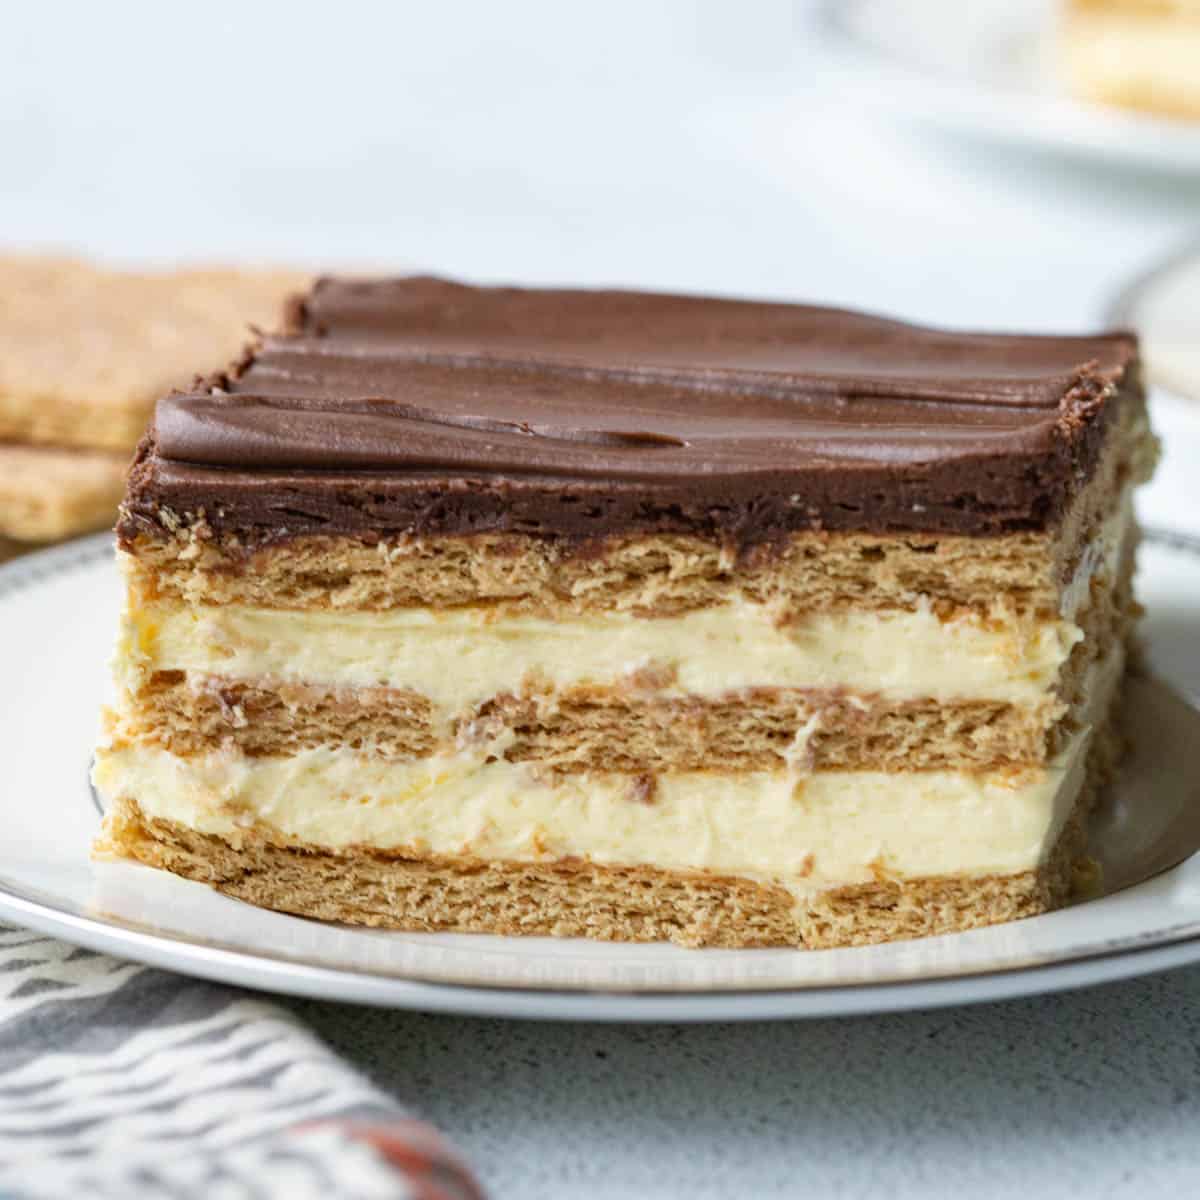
point(461, 657)
point(825, 829)
point(803, 831)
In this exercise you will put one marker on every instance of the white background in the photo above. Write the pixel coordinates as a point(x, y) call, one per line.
point(702, 145)
point(715, 146)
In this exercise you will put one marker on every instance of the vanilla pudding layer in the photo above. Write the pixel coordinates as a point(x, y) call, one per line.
point(637, 725)
point(460, 658)
point(734, 689)
point(803, 830)
point(1007, 817)
point(820, 830)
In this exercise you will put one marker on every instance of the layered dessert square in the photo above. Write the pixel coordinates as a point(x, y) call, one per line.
point(84, 353)
point(627, 616)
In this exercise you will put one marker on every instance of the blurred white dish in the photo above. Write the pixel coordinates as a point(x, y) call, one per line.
point(984, 68)
point(1163, 305)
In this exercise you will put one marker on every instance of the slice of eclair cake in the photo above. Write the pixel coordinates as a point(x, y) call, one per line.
point(627, 616)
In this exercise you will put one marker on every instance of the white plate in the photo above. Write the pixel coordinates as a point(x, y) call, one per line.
point(984, 68)
point(58, 613)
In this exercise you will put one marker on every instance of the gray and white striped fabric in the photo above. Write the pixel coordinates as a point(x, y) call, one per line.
point(121, 1081)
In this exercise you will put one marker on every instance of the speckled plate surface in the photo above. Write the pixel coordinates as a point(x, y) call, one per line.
point(59, 612)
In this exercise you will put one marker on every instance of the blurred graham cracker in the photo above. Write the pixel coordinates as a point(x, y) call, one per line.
point(47, 494)
point(1142, 55)
point(86, 351)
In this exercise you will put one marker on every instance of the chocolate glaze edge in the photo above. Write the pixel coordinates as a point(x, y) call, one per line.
point(269, 509)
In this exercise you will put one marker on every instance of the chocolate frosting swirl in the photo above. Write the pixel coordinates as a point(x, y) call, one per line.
point(423, 406)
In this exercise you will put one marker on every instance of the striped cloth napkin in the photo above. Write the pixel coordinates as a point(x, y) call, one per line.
point(119, 1081)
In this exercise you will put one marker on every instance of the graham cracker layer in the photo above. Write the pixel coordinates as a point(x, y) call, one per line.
point(589, 729)
point(85, 351)
point(649, 575)
point(577, 898)
point(47, 494)
point(637, 726)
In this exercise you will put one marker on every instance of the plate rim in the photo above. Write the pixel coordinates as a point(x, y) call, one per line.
point(284, 977)
point(280, 974)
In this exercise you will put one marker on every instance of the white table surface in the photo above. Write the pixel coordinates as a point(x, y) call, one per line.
point(691, 146)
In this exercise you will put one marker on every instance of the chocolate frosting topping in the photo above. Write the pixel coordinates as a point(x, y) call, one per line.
point(423, 406)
